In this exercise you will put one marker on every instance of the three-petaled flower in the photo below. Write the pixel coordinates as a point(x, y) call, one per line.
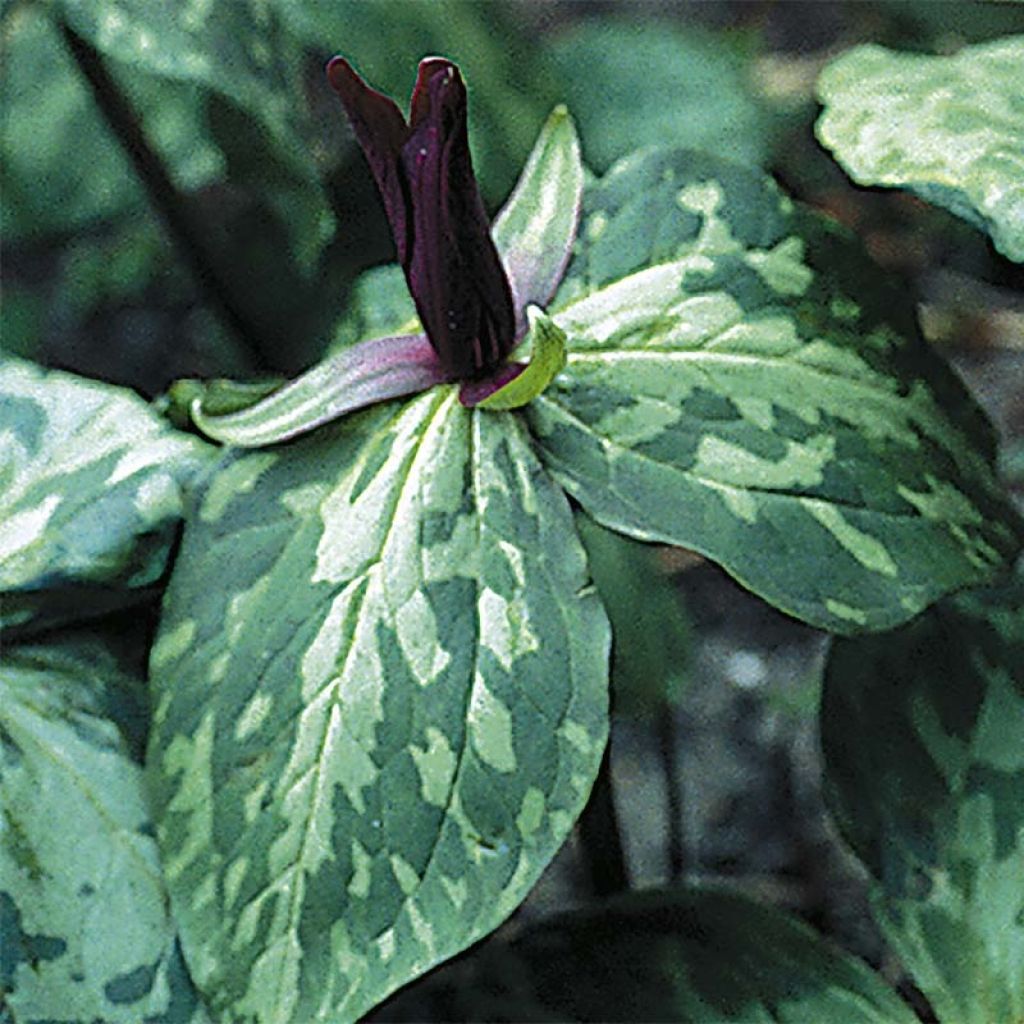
point(476, 295)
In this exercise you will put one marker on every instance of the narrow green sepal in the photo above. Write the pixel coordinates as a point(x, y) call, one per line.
point(363, 374)
point(546, 362)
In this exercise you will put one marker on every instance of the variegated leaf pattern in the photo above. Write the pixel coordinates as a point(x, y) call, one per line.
point(90, 494)
point(675, 954)
point(950, 128)
point(742, 382)
point(923, 736)
point(84, 924)
point(381, 699)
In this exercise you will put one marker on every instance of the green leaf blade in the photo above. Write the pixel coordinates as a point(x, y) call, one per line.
point(741, 382)
point(368, 748)
point(92, 492)
point(85, 929)
point(949, 128)
point(672, 954)
point(922, 732)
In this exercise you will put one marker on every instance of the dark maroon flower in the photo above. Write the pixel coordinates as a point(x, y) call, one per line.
point(425, 177)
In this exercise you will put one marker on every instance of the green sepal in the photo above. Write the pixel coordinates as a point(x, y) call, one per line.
point(363, 374)
point(216, 397)
point(535, 229)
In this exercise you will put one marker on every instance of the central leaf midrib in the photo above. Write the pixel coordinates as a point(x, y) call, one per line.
point(295, 868)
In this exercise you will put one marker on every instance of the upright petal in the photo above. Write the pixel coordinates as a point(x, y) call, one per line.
point(419, 104)
point(454, 272)
point(381, 131)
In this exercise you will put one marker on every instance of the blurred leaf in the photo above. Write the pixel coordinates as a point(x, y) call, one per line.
point(62, 168)
point(509, 95)
point(651, 634)
point(950, 129)
point(294, 208)
point(937, 24)
point(90, 495)
point(84, 926)
point(22, 315)
point(379, 304)
point(923, 736)
point(240, 49)
point(635, 83)
point(672, 954)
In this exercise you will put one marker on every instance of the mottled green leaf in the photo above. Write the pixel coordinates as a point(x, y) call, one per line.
point(742, 382)
point(949, 128)
point(677, 954)
point(651, 632)
point(84, 926)
point(923, 736)
point(90, 494)
point(380, 685)
point(535, 229)
point(632, 83)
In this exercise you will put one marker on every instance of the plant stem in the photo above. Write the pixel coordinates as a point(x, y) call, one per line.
point(600, 836)
point(668, 749)
point(169, 202)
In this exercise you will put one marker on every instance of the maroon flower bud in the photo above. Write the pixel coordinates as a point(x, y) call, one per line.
point(425, 177)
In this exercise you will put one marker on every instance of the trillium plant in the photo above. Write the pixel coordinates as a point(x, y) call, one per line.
point(377, 695)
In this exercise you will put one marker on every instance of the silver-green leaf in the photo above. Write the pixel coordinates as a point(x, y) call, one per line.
point(742, 382)
point(84, 925)
point(381, 697)
point(949, 128)
point(923, 736)
point(91, 490)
